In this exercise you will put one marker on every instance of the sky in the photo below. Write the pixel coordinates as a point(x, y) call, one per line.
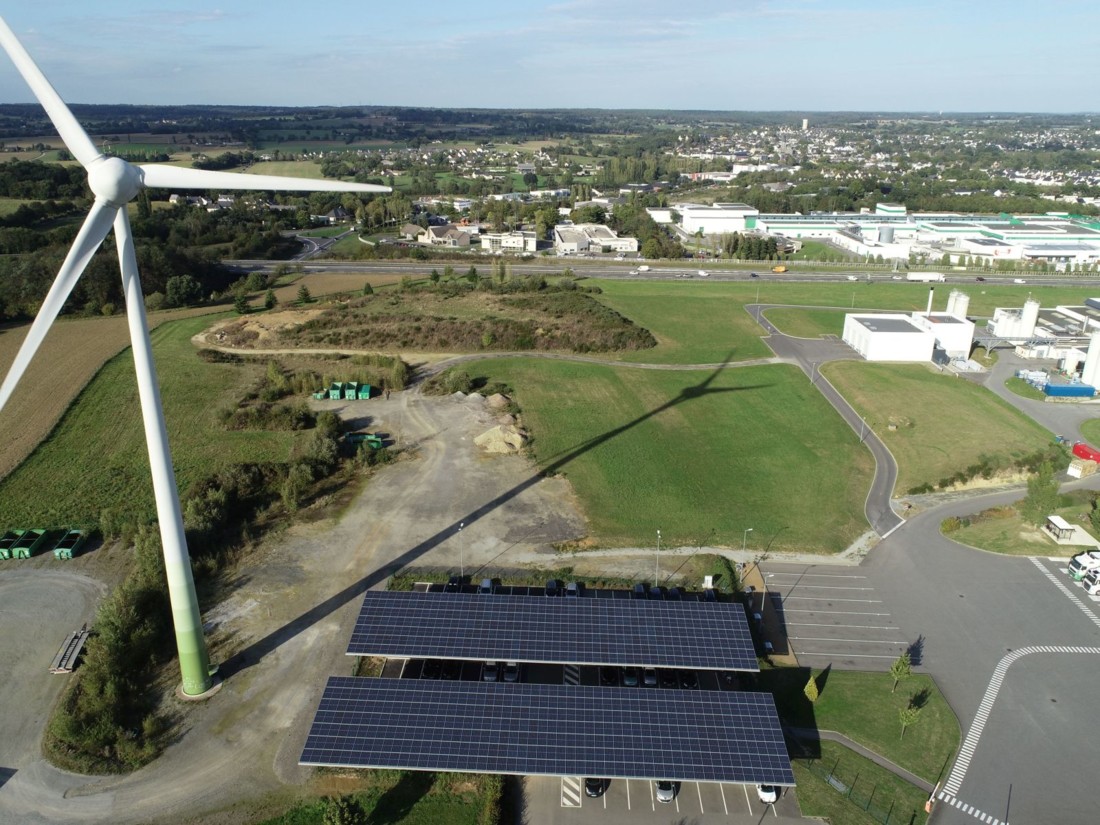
point(789, 55)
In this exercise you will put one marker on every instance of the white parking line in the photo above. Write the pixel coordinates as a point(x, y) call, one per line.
point(628, 794)
point(829, 587)
point(747, 800)
point(831, 599)
point(850, 626)
point(1072, 596)
point(722, 790)
point(844, 655)
point(856, 641)
point(814, 575)
point(700, 791)
point(832, 612)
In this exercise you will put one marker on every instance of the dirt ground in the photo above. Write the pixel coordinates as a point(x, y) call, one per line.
point(283, 628)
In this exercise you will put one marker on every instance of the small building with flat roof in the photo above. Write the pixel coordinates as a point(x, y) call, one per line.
point(888, 337)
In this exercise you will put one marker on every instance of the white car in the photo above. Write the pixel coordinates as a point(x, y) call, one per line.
point(895, 277)
point(666, 790)
point(852, 278)
point(767, 794)
point(1018, 281)
point(633, 272)
point(702, 273)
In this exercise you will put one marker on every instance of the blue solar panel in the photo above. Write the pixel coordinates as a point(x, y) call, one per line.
point(638, 632)
point(555, 730)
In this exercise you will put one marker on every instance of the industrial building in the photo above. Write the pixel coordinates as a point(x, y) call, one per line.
point(572, 239)
point(919, 336)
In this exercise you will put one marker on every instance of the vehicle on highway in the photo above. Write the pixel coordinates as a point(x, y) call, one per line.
point(853, 278)
point(490, 672)
point(753, 275)
point(643, 268)
point(779, 269)
point(703, 273)
point(633, 272)
point(595, 787)
point(666, 790)
point(511, 672)
point(1018, 281)
point(980, 278)
point(767, 794)
point(926, 277)
point(895, 277)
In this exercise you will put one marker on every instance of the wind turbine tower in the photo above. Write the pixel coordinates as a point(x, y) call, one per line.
point(115, 183)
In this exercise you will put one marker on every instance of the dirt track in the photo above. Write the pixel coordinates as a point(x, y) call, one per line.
point(283, 629)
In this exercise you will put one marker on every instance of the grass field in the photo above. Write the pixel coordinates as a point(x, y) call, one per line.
point(943, 423)
point(1004, 531)
point(1024, 389)
point(870, 786)
point(1091, 430)
point(286, 168)
point(9, 205)
point(96, 458)
point(807, 323)
point(698, 456)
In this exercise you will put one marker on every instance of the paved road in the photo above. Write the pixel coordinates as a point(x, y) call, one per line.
point(810, 354)
point(1060, 418)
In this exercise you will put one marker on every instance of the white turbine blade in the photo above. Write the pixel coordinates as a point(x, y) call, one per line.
point(91, 235)
point(72, 133)
point(181, 177)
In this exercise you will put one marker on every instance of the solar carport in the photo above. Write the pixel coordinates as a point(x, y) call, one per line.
point(556, 730)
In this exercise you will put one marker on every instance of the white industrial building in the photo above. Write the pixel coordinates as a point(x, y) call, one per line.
point(718, 219)
point(509, 242)
point(573, 239)
point(914, 337)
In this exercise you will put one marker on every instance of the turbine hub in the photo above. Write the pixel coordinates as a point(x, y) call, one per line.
point(114, 180)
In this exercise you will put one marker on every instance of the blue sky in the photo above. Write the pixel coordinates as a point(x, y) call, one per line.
point(802, 55)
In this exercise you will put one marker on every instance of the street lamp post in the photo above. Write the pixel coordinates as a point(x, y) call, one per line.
point(657, 565)
point(461, 552)
point(744, 538)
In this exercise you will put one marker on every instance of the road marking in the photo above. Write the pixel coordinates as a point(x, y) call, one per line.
point(830, 599)
point(954, 802)
point(970, 744)
point(814, 575)
point(699, 790)
point(856, 641)
point(850, 626)
point(628, 794)
point(747, 800)
point(571, 675)
point(1072, 596)
point(844, 655)
point(722, 790)
point(832, 612)
point(570, 792)
point(830, 587)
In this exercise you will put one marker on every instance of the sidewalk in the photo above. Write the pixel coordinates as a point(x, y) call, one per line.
point(833, 736)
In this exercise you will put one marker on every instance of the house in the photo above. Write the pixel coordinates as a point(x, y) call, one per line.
point(447, 236)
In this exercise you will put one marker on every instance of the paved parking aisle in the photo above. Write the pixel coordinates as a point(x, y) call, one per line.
point(1057, 571)
point(552, 800)
point(832, 616)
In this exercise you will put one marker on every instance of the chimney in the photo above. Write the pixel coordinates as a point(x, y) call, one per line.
point(931, 292)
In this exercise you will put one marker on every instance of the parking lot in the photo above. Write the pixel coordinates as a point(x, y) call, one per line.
point(563, 800)
point(831, 615)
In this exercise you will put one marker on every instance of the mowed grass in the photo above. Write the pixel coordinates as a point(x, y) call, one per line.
point(699, 455)
point(1004, 531)
point(96, 458)
point(286, 168)
point(807, 323)
point(943, 423)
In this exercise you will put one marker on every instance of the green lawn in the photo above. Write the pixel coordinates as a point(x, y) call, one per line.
point(807, 323)
point(1024, 389)
point(1003, 530)
point(1091, 430)
point(10, 205)
point(96, 458)
point(699, 456)
point(943, 423)
point(287, 168)
point(866, 786)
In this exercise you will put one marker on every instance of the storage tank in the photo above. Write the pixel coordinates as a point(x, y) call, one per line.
point(962, 305)
point(1090, 373)
point(1030, 316)
point(886, 234)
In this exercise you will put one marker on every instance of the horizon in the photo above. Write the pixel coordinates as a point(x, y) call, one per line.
point(805, 56)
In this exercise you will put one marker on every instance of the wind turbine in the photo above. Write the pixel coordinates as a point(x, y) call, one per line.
point(115, 183)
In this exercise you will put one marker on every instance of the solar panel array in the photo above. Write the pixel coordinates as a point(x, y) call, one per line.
point(560, 630)
point(555, 730)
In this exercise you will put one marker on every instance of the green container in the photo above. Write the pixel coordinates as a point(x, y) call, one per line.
point(351, 391)
point(6, 541)
point(28, 543)
point(336, 391)
point(69, 543)
point(320, 395)
point(364, 391)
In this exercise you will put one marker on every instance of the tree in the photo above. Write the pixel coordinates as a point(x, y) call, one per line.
point(270, 300)
point(343, 810)
point(369, 290)
point(1042, 495)
point(908, 715)
point(181, 291)
point(303, 295)
point(240, 303)
point(811, 689)
point(901, 669)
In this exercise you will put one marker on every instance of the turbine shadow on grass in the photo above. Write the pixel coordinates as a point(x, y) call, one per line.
point(254, 652)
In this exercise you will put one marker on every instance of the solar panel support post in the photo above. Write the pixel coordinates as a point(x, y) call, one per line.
point(657, 564)
point(461, 552)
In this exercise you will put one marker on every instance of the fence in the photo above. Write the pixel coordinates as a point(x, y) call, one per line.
point(892, 814)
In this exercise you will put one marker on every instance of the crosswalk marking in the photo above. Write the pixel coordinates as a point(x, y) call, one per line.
point(970, 810)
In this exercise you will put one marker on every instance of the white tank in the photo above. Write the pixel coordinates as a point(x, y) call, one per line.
point(1030, 316)
point(1091, 373)
point(962, 305)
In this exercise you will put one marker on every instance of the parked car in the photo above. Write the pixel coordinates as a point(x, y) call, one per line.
point(639, 591)
point(486, 586)
point(666, 790)
point(490, 672)
point(767, 794)
point(649, 677)
point(688, 679)
point(668, 678)
point(673, 594)
point(511, 672)
point(595, 787)
point(553, 588)
point(609, 676)
point(452, 669)
point(656, 592)
point(454, 585)
point(629, 676)
point(709, 595)
point(574, 589)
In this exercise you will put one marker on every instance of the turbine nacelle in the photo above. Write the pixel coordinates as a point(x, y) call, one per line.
point(114, 181)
